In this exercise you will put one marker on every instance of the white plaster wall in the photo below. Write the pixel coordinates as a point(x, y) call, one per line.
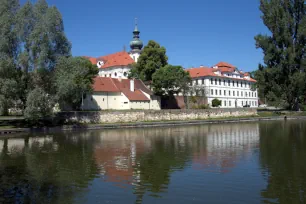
point(155, 103)
point(115, 72)
point(106, 100)
point(140, 105)
point(135, 56)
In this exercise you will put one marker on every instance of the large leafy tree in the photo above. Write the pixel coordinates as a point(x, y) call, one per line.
point(282, 77)
point(73, 78)
point(41, 31)
point(152, 58)
point(170, 80)
point(8, 53)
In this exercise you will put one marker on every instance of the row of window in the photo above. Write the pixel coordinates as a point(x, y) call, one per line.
point(229, 83)
point(229, 103)
point(115, 74)
point(238, 93)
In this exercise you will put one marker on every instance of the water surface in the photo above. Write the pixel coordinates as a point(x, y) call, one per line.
point(261, 162)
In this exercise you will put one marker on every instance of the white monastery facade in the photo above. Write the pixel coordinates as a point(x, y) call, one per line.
point(226, 83)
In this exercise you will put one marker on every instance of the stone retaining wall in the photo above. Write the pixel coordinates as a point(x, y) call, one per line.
point(151, 115)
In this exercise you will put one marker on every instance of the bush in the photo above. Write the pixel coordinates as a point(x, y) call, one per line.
point(216, 102)
point(39, 106)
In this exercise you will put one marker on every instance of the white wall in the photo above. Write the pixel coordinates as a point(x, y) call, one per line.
point(106, 100)
point(136, 105)
point(135, 56)
point(115, 72)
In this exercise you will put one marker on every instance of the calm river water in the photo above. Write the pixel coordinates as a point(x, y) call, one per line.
point(261, 162)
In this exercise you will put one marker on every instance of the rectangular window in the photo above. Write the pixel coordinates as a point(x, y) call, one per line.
point(242, 103)
point(216, 92)
point(233, 83)
point(241, 93)
point(224, 93)
point(215, 81)
point(220, 82)
point(224, 103)
point(237, 93)
point(230, 103)
point(255, 103)
point(237, 83)
point(252, 94)
point(211, 81)
point(244, 84)
point(229, 93)
point(246, 94)
point(126, 102)
point(220, 93)
point(229, 83)
point(196, 82)
point(255, 94)
point(212, 92)
point(224, 82)
point(241, 84)
point(233, 93)
point(202, 81)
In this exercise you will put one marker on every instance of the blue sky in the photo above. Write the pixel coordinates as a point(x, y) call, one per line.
point(194, 32)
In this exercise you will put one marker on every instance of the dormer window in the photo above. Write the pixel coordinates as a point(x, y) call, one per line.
point(100, 64)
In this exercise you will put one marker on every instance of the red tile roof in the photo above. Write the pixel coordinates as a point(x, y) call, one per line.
point(116, 59)
point(225, 64)
point(206, 71)
point(107, 84)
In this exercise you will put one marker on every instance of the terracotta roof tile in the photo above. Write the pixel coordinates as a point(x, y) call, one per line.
point(225, 64)
point(116, 59)
point(107, 84)
point(205, 71)
point(104, 84)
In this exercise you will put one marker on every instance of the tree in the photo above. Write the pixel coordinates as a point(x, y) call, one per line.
point(74, 77)
point(152, 58)
point(216, 102)
point(39, 105)
point(282, 78)
point(8, 54)
point(170, 80)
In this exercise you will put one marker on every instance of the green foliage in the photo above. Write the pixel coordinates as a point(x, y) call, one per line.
point(282, 79)
point(39, 105)
point(152, 58)
point(170, 80)
point(73, 77)
point(216, 103)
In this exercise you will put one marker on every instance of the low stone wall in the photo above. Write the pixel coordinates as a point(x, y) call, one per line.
point(153, 115)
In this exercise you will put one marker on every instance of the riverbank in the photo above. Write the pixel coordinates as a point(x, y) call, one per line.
point(78, 127)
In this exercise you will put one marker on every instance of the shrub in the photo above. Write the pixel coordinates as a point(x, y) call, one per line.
point(216, 102)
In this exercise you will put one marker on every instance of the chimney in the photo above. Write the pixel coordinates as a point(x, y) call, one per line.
point(132, 87)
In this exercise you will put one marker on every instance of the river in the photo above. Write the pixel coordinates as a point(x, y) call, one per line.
point(257, 162)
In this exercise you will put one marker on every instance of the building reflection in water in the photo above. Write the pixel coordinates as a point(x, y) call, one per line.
point(143, 159)
point(124, 155)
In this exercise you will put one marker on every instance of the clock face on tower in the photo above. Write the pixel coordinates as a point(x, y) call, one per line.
point(100, 64)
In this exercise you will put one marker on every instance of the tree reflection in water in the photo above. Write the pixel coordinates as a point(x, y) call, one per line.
point(45, 170)
point(282, 156)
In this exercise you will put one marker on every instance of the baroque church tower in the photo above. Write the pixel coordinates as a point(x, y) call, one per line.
point(136, 44)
